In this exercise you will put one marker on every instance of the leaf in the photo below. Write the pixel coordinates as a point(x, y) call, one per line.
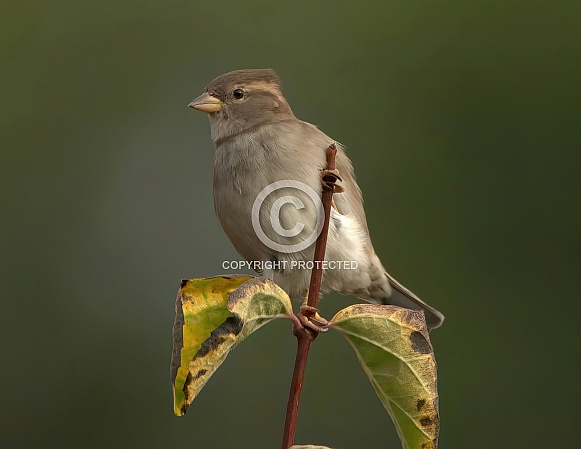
point(394, 349)
point(200, 309)
point(213, 315)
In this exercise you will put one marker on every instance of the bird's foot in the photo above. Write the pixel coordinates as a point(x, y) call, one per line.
point(309, 317)
point(330, 180)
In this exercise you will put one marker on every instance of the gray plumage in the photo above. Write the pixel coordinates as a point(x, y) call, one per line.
point(258, 142)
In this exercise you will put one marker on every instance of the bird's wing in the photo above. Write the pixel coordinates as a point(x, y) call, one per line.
point(351, 200)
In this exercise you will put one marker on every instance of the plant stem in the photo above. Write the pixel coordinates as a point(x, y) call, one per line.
point(305, 336)
point(321, 244)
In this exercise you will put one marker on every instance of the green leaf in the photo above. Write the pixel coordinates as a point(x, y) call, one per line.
point(213, 315)
point(394, 349)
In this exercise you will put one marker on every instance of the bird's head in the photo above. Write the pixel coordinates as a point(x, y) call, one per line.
point(241, 100)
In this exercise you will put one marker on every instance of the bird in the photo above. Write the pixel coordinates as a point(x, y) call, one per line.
point(267, 179)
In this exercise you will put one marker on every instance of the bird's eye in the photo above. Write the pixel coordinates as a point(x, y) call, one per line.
point(238, 94)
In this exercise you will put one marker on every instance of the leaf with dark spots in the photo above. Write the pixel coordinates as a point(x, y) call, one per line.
point(214, 315)
point(198, 313)
point(426, 421)
point(402, 374)
point(232, 326)
point(420, 343)
point(178, 338)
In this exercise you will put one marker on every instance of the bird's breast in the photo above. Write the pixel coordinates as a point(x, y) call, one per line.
point(267, 193)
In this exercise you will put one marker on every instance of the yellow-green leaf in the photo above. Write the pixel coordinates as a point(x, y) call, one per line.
point(394, 349)
point(213, 315)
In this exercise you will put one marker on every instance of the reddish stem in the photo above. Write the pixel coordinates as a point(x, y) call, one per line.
point(321, 245)
point(305, 336)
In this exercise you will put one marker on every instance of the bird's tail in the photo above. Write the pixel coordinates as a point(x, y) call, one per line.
point(384, 289)
point(402, 297)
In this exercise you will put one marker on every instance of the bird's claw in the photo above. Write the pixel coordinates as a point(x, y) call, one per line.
point(329, 180)
point(309, 317)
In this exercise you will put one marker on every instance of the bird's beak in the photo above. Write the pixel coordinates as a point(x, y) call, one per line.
point(206, 103)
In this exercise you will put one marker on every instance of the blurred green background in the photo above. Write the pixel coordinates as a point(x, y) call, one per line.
point(463, 121)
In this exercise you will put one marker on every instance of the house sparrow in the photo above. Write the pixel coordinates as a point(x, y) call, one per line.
point(266, 186)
